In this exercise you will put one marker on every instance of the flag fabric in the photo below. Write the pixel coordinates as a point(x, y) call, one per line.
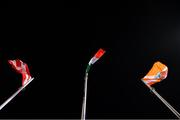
point(21, 68)
point(157, 73)
point(99, 54)
point(96, 57)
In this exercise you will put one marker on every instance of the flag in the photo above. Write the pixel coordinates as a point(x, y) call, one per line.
point(21, 68)
point(157, 73)
point(96, 57)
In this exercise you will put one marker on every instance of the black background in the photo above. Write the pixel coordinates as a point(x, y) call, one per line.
point(57, 45)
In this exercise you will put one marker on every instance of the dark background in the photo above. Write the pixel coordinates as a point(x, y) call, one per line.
point(57, 45)
point(4, 4)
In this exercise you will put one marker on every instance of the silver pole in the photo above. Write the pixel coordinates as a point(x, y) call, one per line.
point(163, 100)
point(18, 91)
point(166, 103)
point(83, 114)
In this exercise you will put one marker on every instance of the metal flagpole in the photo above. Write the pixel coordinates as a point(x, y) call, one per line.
point(163, 100)
point(166, 103)
point(83, 114)
point(18, 91)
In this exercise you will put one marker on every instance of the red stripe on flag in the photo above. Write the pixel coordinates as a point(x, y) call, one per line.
point(21, 68)
point(99, 53)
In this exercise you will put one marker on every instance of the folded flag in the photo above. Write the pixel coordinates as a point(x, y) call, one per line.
point(96, 57)
point(21, 68)
point(157, 73)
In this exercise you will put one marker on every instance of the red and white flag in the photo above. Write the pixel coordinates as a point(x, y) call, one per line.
point(96, 57)
point(21, 68)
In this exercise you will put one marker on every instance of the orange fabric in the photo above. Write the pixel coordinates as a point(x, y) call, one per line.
point(157, 73)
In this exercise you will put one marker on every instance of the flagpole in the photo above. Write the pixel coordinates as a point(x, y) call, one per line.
point(163, 100)
point(83, 114)
point(14, 95)
point(167, 104)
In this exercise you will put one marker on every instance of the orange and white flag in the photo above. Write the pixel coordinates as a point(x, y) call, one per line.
point(157, 73)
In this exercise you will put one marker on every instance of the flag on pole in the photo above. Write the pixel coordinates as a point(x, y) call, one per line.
point(96, 57)
point(21, 68)
point(157, 73)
